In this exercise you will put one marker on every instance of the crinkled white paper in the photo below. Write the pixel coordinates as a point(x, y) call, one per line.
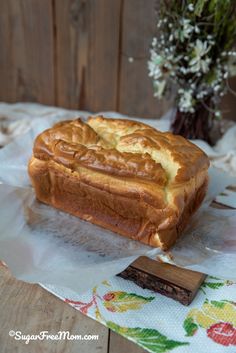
point(42, 244)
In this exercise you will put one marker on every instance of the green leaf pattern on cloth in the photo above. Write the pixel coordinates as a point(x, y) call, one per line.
point(159, 324)
point(190, 326)
point(149, 339)
point(215, 283)
point(122, 301)
point(113, 301)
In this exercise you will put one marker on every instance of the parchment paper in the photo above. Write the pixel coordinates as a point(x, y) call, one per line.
point(43, 245)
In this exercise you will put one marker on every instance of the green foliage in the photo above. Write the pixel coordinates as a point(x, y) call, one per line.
point(192, 49)
point(216, 17)
point(199, 7)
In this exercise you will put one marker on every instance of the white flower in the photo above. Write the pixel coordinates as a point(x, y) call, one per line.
point(183, 70)
point(154, 70)
point(201, 48)
point(198, 63)
point(159, 87)
point(201, 94)
point(154, 41)
point(226, 75)
point(155, 65)
point(191, 7)
point(156, 58)
point(185, 30)
point(186, 100)
point(216, 88)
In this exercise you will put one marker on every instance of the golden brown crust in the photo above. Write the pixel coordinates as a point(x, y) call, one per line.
point(133, 135)
point(122, 175)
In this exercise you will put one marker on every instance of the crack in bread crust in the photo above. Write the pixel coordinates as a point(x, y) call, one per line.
point(120, 174)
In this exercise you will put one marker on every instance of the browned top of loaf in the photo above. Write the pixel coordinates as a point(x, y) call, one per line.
point(121, 147)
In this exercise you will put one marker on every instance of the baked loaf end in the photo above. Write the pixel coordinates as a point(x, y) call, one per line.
point(122, 175)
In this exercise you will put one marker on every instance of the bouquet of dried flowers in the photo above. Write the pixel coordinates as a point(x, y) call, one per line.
point(192, 51)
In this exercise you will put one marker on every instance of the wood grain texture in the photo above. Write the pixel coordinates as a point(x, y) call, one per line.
point(229, 101)
point(26, 55)
point(87, 43)
point(78, 54)
point(185, 278)
point(119, 344)
point(136, 91)
point(30, 309)
point(171, 281)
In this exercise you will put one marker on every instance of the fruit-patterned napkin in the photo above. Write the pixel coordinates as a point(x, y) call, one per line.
point(159, 324)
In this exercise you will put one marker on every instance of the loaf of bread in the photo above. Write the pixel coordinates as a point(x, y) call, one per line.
point(122, 175)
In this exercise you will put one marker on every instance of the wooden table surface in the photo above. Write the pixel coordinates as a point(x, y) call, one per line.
point(31, 309)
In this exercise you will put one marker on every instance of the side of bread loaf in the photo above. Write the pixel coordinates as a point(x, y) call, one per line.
point(122, 175)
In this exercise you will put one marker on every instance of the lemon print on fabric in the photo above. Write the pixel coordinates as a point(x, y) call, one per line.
point(217, 317)
point(118, 301)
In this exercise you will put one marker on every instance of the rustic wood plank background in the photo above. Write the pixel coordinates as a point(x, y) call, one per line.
point(81, 54)
point(31, 309)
